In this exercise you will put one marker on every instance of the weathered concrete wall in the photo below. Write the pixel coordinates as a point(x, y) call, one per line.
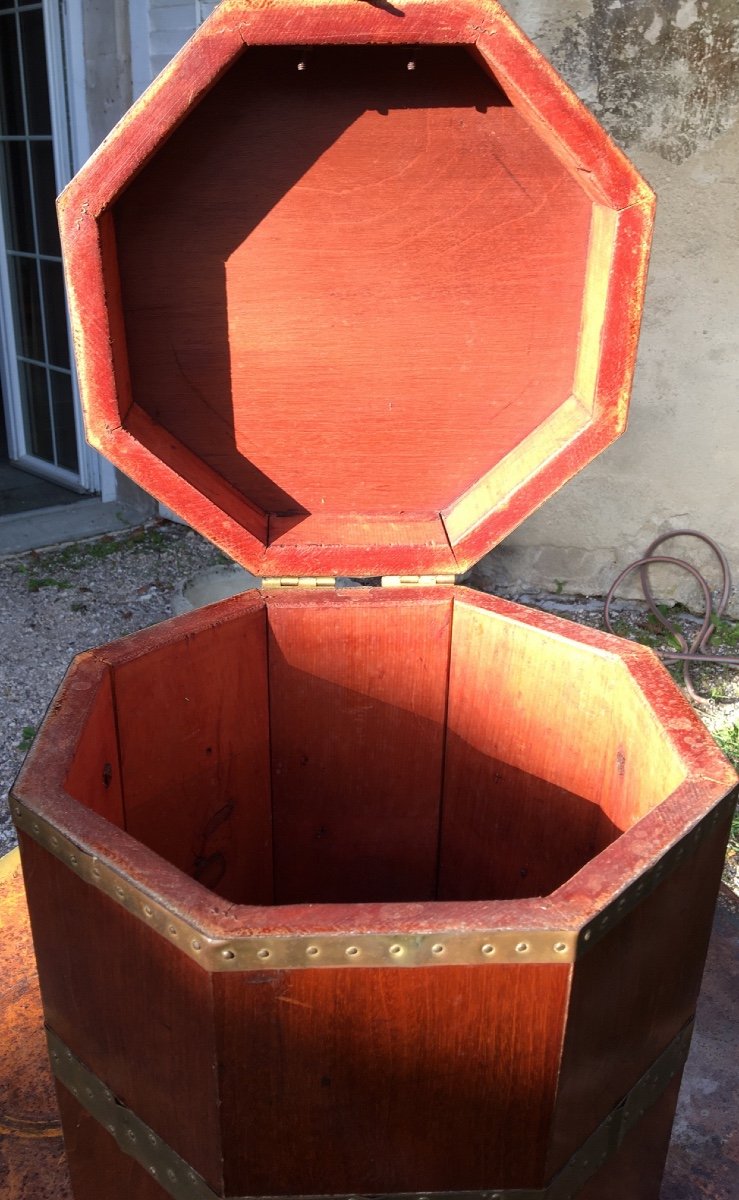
point(664, 80)
point(107, 64)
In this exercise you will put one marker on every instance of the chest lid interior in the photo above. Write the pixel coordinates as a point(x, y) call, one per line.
point(355, 288)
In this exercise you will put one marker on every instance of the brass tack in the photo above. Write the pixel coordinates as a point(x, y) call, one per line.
point(352, 951)
point(488, 948)
point(120, 893)
point(96, 872)
point(153, 1139)
point(89, 1093)
point(131, 1135)
point(560, 947)
point(621, 902)
point(522, 947)
point(148, 911)
point(437, 948)
point(192, 1177)
point(172, 931)
point(69, 1055)
point(55, 842)
point(75, 1091)
point(396, 949)
point(73, 859)
point(171, 1175)
point(196, 945)
point(35, 827)
point(587, 935)
point(152, 1170)
point(263, 953)
point(227, 954)
point(111, 1128)
point(55, 1056)
point(312, 950)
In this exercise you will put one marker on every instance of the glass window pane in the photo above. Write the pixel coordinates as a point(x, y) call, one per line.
point(27, 304)
point(17, 197)
point(11, 101)
point(35, 397)
point(34, 67)
point(42, 157)
point(55, 311)
point(63, 404)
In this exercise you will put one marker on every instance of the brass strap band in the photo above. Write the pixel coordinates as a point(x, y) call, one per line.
point(137, 1140)
point(440, 948)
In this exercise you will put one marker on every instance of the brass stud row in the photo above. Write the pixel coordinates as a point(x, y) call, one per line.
point(456, 948)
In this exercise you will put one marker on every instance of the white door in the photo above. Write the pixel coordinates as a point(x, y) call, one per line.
point(42, 416)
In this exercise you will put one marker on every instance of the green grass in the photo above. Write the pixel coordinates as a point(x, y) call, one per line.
point(36, 583)
point(728, 740)
point(28, 733)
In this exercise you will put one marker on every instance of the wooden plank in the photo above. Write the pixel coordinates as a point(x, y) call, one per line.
point(551, 753)
point(632, 993)
point(97, 1167)
point(130, 1006)
point(357, 710)
point(94, 777)
point(281, 348)
point(635, 1170)
point(194, 737)
point(417, 1080)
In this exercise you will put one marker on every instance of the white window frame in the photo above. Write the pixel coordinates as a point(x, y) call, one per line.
point(65, 60)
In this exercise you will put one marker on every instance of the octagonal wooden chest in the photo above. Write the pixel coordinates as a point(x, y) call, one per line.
point(395, 891)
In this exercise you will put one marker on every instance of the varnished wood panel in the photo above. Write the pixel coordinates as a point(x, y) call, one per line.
point(357, 710)
point(632, 993)
point(193, 726)
point(99, 1170)
point(365, 316)
point(135, 1010)
point(635, 1170)
point(383, 1081)
point(551, 753)
point(94, 776)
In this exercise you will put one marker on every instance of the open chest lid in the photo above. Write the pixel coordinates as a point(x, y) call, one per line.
point(356, 286)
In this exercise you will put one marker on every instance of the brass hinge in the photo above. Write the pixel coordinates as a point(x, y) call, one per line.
point(294, 581)
point(417, 580)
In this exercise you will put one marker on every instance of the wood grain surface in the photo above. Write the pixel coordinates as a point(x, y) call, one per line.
point(551, 754)
point(383, 1081)
point(194, 743)
point(357, 715)
point(265, 338)
point(129, 1005)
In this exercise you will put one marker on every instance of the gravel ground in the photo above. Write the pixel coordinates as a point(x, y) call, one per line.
point(56, 603)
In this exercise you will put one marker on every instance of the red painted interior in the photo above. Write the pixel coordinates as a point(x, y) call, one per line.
point(353, 747)
point(353, 287)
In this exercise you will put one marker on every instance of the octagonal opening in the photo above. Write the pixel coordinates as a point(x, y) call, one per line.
point(366, 748)
point(352, 284)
